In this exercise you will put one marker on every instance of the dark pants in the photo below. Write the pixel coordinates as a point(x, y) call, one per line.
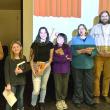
point(61, 86)
point(18, 90)
point(83, 85)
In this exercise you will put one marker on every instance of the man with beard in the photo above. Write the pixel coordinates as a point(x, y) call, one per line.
point(101, 33)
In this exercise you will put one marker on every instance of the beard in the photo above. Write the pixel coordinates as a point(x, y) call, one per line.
point(104, 22)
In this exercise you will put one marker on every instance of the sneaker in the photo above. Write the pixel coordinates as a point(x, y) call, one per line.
point(106, 99)
point(96, 100)
point(59, 105)
point(64, 104)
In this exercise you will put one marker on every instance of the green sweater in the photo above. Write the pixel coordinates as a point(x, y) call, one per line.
point(9, 69)
point(83, 61)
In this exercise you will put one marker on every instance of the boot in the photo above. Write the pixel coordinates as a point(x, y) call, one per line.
point(42, 106)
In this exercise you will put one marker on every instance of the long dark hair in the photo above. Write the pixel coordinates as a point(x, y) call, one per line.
point(105, 11)
point(65, 39)
point(38, 38)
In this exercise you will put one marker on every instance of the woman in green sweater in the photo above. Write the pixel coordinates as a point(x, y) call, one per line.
point(83, 52)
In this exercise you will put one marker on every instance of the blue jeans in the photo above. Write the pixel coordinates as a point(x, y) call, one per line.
point(18, 90)
point(39, 86)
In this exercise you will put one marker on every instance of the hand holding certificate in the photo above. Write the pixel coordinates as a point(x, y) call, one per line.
point(10, 97)
point(39, 68)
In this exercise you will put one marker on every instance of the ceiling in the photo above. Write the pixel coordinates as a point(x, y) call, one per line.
point(10, 4)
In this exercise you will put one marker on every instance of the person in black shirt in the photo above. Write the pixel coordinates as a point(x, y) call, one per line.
point(41, 51)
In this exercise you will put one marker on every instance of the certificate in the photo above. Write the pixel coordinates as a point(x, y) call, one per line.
point(10, 97)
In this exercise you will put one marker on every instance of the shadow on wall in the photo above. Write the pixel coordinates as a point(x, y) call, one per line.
point(74, 32)
point(96, 20)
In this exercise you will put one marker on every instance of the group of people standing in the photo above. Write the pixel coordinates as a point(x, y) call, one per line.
point(88, 54)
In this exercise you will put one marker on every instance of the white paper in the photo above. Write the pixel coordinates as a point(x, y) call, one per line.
point(10, 97)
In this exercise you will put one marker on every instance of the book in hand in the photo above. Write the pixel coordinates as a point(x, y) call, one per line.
point(10, 97)
point(40, 67)
point(59, 51)
point(21, 65)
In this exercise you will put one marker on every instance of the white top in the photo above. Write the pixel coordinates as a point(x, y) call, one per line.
point(101, 33)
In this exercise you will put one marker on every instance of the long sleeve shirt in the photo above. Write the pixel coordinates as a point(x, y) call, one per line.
point(101, 34)
point(60, 63)
point(82, 61)
point(9, 69)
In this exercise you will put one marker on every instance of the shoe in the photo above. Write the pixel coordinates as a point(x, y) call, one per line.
point(96, 100)
point(37, 107)
point(32, 107)
point(106, 99)
point(92, 105)
point(41, 106)
point(59, 105)
point(21, 108)
point(64, 104)
point(77, 105)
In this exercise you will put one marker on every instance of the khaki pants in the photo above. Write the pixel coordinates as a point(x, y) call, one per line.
point(102, 64)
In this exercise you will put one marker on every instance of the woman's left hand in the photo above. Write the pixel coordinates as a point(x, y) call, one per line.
point(68, 58)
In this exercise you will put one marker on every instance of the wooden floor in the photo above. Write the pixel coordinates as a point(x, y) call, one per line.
point(50, 105)
point(102, 106)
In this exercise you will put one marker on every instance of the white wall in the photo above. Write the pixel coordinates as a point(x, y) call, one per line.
point(89, 11)
point(31, 23)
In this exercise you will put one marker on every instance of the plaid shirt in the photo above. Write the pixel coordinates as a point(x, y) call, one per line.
point(101, 35)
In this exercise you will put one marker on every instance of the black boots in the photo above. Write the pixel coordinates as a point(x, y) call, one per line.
point(32, 107)
point(42, 106)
